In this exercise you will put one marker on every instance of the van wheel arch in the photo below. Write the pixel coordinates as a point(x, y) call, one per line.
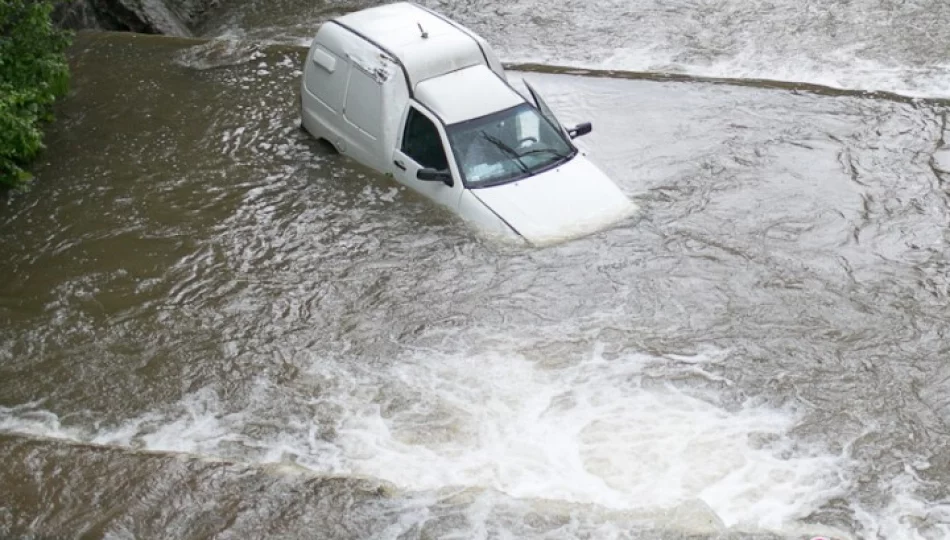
point(326, 143)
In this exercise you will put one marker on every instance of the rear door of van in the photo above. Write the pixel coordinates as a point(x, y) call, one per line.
point(323, 91)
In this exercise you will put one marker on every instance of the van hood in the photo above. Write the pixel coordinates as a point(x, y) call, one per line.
point(569, 201)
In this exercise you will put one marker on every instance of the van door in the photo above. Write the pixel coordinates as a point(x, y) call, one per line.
point(362, 113)
point(423, 145)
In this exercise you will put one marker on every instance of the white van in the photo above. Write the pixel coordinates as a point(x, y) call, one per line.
point(414, 95)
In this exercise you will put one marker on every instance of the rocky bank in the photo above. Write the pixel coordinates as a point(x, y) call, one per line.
point(172, 17)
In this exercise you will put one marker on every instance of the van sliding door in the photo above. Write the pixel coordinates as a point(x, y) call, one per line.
point(363, 108)
point(362, 114)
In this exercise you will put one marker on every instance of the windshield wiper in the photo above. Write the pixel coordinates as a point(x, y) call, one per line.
point(505, 148)
point(547, 150)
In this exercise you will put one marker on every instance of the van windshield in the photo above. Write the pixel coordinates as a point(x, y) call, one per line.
point(507, 145)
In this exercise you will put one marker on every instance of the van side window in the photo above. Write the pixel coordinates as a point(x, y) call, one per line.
point(422, 143)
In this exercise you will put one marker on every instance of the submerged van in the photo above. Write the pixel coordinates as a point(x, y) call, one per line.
point(414, 95)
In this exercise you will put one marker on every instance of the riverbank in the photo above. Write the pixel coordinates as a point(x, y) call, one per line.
point(170, 17)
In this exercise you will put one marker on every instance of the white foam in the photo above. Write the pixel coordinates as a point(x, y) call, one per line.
point(841, 69)
point(614, 433)
point(29, 419)
point(837, 69)
point(591, 433)
point(609, 433)
point(907, 515)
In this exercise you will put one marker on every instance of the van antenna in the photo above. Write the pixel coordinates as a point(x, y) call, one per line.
point(425, 35)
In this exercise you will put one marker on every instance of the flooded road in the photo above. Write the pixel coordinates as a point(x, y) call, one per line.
point(213, 327)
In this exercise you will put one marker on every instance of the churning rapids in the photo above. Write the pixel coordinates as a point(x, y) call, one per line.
point(213, 327)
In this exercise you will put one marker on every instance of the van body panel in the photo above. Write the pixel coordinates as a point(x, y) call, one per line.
point(345, 105)
point(395, 104)
point(427, 60)
point(490, 58)
point(364, 103)
point(325, 85)
point(323, 91)
point(478, 214)
point(361, 117)
point(569, 201)
point(427, 44)
point(467, 93)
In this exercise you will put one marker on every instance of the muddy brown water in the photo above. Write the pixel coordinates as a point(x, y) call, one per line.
point(211, 326)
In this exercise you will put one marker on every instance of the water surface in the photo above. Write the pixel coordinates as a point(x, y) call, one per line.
point(212, 326)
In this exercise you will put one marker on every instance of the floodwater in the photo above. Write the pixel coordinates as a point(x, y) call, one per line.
point(900, 46)
point(213, 327)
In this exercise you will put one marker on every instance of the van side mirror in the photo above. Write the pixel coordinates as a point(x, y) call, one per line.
point(580, 129)
point(429, 174)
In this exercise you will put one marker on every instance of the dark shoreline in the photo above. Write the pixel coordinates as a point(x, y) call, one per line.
point(169, 17)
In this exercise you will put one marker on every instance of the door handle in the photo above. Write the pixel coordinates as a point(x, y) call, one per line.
point(399, 164)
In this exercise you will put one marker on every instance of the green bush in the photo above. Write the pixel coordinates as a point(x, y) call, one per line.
point(33, 73)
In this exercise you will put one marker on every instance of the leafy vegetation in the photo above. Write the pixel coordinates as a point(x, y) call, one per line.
point(33, 73)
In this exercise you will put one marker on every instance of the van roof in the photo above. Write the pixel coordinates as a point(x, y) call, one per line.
point(465, 94)
point(399, 28)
